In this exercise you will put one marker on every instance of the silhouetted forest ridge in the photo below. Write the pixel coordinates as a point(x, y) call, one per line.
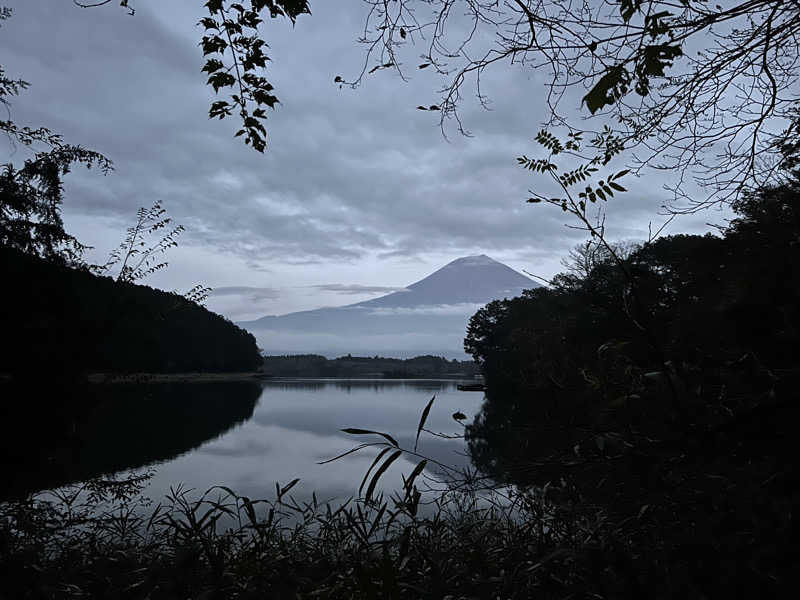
point(663, 391)
point(315, 365)
point(56, 317)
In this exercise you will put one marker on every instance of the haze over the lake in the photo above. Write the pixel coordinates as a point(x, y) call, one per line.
point(359, 193)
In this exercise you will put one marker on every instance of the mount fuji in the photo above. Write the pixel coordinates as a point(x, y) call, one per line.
point(429, 316)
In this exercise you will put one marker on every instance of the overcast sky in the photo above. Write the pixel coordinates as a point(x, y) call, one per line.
point(358, 194)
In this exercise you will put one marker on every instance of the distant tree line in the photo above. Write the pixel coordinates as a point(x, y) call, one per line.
point(57, 318)
point(315, 365)
point(665, 393)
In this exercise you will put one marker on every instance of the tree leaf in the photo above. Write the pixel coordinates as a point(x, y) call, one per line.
point(372, 466)
point(343, 454)
point(609, 88)
point(354, 431)
point(213, 6)
point(414, 474)
point(381, 470)
point(289, 486)
point(422, 420)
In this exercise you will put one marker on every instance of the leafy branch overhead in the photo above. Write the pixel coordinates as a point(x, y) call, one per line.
point(606, 146)
point(233, 47)
point(717, 115)
point(235, 59)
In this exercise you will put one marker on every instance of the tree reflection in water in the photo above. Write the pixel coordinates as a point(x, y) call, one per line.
point(54, 434)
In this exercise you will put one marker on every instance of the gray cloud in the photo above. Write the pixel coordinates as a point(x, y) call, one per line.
point(464, 308)
point(355, 288)
point(241, 302)
point(255, 293)
point(351, 177)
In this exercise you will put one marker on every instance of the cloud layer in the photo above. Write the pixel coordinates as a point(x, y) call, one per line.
point(355, 288)
point(357, 187)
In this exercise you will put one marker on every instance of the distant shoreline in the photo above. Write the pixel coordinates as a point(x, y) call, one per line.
point(174, 377)
point(108, 378)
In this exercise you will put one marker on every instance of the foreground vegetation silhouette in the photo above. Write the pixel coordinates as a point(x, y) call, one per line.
point(59, 317)
point(625, 449)
point(675, 411)
point(63, 321)
point(642, 411)
point(103, 539)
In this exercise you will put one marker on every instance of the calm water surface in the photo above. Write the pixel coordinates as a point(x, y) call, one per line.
point(296, 424)
point(248, 436)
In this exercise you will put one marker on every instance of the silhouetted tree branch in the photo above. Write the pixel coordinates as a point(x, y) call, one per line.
point(707, 92)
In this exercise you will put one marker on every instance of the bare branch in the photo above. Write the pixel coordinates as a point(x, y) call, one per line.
point(705, 92)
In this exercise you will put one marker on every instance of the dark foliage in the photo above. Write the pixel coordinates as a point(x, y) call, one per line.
point(30, 204)
point(235, 59)
point(221, 545)
point(668, 398)
point(314, 365)
point(31, 195)
point(57, 319)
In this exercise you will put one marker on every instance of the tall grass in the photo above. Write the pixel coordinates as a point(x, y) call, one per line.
point(220, 544)
point(105, 539)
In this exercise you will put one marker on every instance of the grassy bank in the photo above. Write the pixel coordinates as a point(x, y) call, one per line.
point(103, 540)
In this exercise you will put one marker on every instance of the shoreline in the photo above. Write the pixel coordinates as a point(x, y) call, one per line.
point(199, 377)
point(204, 377)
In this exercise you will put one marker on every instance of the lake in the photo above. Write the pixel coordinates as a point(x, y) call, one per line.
point(246, 436)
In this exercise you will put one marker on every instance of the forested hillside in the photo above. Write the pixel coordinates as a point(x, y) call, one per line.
point(665, 387)
point(56, 318)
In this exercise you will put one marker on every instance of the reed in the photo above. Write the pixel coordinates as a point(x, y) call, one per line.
point(461, 539)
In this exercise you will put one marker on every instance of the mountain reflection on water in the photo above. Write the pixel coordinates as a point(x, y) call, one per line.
point(242, 435)
point(54, 435)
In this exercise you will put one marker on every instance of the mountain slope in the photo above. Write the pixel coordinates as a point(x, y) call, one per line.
point(428, 317)
point(471, 279)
